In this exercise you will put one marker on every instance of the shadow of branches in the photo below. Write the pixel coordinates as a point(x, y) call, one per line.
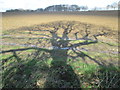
point(47, 65)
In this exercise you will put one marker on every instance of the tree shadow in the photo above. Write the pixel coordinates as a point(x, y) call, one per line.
point(61, 74)
point(22, 74)
point(58, 74)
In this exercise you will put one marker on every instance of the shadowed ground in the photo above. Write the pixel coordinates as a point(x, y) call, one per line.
point(61, 54)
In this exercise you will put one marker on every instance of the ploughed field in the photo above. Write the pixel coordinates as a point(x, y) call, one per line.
point(60, 49)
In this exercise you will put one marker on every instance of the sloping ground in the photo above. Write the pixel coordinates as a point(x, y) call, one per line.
point(60, 54)
point(39, 36)
point(13, 20)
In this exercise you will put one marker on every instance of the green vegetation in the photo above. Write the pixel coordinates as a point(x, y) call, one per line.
point(35, 69)
point(45, 57)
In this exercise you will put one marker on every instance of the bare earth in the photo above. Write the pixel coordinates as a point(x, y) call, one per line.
point(60, 49)
point(20, 19)
point(17, 24)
